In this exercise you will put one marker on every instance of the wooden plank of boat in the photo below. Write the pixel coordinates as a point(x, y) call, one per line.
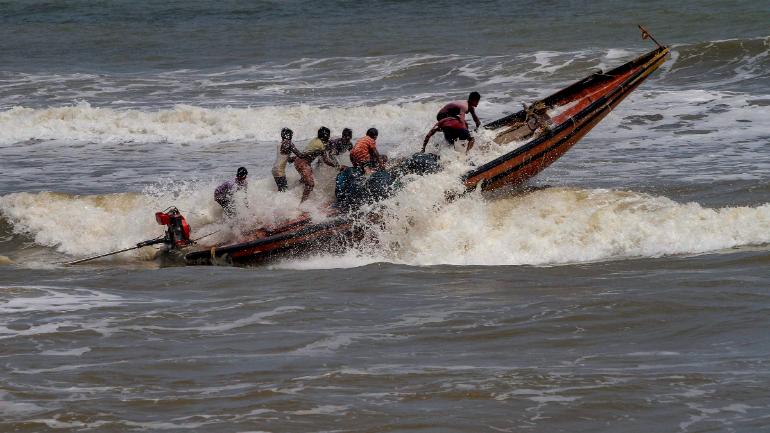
point(262, 249)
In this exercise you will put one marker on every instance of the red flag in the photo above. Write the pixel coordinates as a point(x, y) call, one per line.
point(645, 35)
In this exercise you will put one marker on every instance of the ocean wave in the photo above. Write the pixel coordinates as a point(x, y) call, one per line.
point(95, 126)
point(83, 122)
point(735, 64)
point(564, 225)
point(545, 227)
point(372, 80)
point(82, 225)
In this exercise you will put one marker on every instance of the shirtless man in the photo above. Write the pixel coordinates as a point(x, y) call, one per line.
point(453, 128)
point(465, 107)
point(340, 145)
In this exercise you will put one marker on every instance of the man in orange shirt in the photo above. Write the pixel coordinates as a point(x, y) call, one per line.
point(364, 152)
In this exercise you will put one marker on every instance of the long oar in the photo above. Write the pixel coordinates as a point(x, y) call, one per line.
point(205, 236)
point(143, 244)
point(139, 245)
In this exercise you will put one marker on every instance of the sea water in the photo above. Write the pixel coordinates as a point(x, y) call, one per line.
point(626, 289)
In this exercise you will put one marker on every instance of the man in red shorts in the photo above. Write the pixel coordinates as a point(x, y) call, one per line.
point(453, 128)
point(468, 106)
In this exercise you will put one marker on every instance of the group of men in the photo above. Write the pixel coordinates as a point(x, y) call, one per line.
point(363, 154)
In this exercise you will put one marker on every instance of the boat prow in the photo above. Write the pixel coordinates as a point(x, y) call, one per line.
point(554, 124)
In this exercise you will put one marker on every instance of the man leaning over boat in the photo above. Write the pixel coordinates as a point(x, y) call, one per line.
point(453, 127)
point(465, 107)
point(364, 153)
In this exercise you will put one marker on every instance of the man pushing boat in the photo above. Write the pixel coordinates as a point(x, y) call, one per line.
point(465, 107)
point(225, 193)
point(453, 128)
point(283, 156)
point(337, 146)
point(364, 154)
point(315, 148)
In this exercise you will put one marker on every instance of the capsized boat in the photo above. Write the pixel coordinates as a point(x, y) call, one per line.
point(547, 128)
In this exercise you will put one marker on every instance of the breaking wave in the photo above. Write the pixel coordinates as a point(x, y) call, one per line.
point(251, 103)
point(565, 225)
point(544, 227)
point(720, 65)
point(83, 122)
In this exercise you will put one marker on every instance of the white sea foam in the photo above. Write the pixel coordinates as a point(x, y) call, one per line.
point(323, 410)
point(254, 319)
point(83, 127)
point(726, 117)
point(76, 351)
point(100, 126)
point(25, 328)
point(680, 135)
point(329, 344)
point(61, 368)
point(91, 225)
point(37, 299)
point(545, 63)
point(11, 408)
point(618, 53)
point(562, 225)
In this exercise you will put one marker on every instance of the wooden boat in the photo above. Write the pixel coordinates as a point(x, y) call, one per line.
point(295, 236)
point(580, 107)
point(547, 129)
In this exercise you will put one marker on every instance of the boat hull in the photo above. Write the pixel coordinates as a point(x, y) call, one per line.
point(305, 238)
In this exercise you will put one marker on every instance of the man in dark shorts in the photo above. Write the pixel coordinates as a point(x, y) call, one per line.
point(468, 106)
point(340, 145)
point(453, 128)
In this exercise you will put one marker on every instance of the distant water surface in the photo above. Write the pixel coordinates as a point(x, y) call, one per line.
point(626, 292)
